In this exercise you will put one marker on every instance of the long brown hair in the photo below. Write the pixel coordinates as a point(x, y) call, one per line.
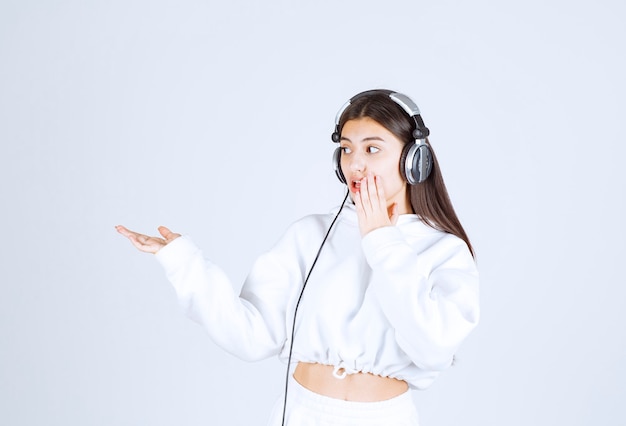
point(429, 199)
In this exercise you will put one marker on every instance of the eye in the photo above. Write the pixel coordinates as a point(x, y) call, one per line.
point(372, 149)
point(345, 150)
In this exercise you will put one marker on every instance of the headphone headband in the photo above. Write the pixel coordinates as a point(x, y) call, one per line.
point(420, 132)
point(406, 103)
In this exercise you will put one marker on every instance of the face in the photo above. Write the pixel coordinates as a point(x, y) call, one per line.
point(368, 147)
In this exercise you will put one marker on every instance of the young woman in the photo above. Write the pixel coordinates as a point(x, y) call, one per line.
point(368, 301)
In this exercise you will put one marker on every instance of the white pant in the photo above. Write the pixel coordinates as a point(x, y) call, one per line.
point(307, 408)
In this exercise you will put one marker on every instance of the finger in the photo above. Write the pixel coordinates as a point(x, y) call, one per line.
point(372, 193)
point(131, 235)
point(358, 203)
point(141, 242)
point(377, 205)
point(148, 244)
point(381, 200)
point(360, 213)
point(134, 237)
point(365, 195)
point(124, 231)
point(167, 234)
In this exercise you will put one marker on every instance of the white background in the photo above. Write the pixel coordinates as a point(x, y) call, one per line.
point(215, 119)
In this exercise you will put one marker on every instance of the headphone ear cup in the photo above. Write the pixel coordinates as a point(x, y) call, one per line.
point(416, 162)
point(405, 153)
point(337, 165)
point(424, 162)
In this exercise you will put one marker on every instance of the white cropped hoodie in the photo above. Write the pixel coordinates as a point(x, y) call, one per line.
point(397, 302)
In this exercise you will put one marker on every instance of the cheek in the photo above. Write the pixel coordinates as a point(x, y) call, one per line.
point(395, 185)
point(392, 172)
point(392, 180)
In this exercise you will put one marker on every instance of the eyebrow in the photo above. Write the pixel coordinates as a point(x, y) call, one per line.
point(368, 139)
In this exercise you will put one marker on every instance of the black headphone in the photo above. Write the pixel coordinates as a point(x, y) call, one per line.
point(416, 161)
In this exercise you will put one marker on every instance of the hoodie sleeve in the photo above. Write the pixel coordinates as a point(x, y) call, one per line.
point(250, 326)
point(430, 298)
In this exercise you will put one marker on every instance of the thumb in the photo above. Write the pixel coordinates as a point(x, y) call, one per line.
point(393, 213)
point(167, 234)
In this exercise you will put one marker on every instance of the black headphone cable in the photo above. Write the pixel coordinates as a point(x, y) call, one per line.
point(295, 312)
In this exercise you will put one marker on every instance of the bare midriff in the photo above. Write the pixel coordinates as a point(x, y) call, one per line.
point(359, 387)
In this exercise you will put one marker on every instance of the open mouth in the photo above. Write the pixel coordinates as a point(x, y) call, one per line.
point(355, 185)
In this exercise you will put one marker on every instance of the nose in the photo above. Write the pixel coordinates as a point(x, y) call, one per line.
point(356, 163)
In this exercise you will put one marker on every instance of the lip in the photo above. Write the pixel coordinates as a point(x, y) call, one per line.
point(355, 184)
